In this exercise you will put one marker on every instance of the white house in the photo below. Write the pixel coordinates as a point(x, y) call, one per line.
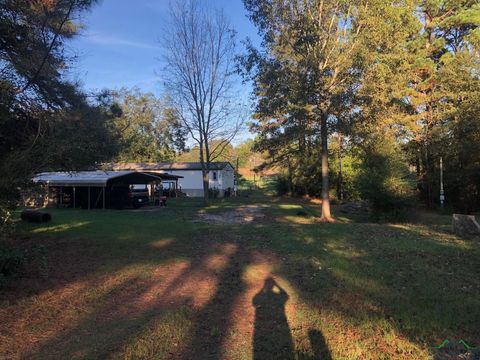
point(221, 175)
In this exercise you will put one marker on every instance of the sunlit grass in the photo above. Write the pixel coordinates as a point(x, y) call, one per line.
point(289, 206)
point(165, 335)
point(59, 228)
point(162, 243)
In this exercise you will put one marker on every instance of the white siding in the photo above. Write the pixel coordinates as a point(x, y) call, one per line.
point(192, 179)
point(192, 183)
point(227, 178)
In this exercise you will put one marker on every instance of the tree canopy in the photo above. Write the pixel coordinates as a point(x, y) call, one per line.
point(149, 128)
point(46, 121)
point(394, 80)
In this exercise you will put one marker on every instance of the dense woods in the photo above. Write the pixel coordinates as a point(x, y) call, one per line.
point(47, 122)
point(392, 87)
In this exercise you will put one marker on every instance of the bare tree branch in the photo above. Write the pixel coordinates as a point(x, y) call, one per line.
point(200, 52)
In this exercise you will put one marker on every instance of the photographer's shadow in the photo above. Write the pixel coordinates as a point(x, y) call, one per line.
point(272, 338)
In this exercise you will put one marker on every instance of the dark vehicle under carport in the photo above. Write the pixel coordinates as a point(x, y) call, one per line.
point(98, 189)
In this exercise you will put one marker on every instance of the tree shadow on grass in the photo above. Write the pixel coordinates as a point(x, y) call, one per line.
point(104, 330)
point(97, 287)
point(105, 243)
point(136, 305)
point(212, 323)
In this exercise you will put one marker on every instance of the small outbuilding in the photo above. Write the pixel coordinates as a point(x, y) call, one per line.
point(97, 189)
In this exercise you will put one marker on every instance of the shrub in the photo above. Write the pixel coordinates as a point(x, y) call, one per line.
point(282, 185)
point(11, 259)
point(14, 259)
point(386, 182)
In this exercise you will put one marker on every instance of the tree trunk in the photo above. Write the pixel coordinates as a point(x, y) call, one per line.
point(326, 216)
point(428, 178)
point(340, 178)
point(417, 166)
point(303, 167)
point(290, 179)
point(205, 170)
point(205, 184)
point(340, 173)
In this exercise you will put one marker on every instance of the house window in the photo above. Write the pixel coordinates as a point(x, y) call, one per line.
point(214, 175)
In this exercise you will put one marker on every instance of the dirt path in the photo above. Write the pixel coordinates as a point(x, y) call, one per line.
point(241, 215)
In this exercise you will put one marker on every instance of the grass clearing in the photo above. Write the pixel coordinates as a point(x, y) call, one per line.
point(157, 285)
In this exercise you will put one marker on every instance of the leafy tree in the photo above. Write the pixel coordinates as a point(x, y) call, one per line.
point(312, 46)
point(460, 132)
point(381, 124)
point(243, 152)
point(46, 122)
point(421, 68)
point(345, 165)
point(442, 55)
point(385, 179)
point(149, 128)
point(387, 77)
point(284, 123)
point(227, 153)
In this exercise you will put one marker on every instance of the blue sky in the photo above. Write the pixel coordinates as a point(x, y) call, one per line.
point(119, 45)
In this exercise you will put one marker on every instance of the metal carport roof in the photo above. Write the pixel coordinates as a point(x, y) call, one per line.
point(95, 178)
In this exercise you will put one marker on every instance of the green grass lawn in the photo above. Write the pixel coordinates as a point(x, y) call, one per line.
point(162, 285)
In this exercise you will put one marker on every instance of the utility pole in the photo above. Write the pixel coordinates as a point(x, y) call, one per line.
point(442, 194)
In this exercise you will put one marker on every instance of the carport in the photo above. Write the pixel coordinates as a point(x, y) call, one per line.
point(94, 189)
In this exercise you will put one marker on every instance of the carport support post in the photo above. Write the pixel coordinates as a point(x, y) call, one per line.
point(103, 205)
point(89, 198)
point(49, 194)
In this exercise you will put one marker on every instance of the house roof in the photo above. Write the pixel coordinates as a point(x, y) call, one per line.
point(146, 166)
point(96, 178)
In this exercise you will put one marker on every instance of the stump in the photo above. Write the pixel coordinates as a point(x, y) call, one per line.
point(465, 225)
point(35, 216)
